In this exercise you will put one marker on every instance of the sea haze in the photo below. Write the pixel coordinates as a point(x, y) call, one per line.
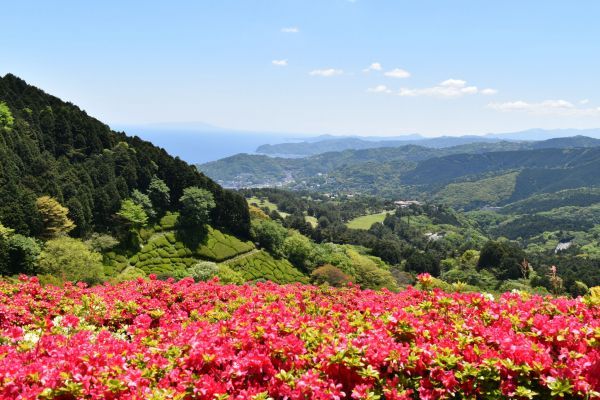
point(199, 143)
point(203, 144)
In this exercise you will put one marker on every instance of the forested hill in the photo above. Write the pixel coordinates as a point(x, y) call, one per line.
point(51, 147)
point(448, 168)
point(333, 144)
point(383, 171)
point(310, 148)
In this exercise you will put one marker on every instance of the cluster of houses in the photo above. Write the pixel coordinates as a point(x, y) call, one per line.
point(407, 203)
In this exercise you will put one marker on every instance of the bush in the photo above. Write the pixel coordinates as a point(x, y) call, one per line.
point(330, 275)
point(101, 242)
point(128, 275)
point(423, 263)
point(203, 271)
point(269, 234)
point(503, 259)
point(18, 254)
point(369, 276)
point(227, 275)
point(71, 260)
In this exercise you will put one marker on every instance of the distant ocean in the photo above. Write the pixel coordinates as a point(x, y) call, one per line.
point(197, 147)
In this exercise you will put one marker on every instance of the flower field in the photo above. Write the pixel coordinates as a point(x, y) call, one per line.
point(149, 339)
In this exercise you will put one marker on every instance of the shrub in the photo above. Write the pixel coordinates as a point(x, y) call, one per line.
point(269, 234)
point(262, 341)
point(203, 271)
point(101, 242)
point(423, 263)
point(331, 275)
point(227, 275)
point(71, 260)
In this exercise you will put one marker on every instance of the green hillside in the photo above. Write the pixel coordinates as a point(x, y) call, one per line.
point(417, 171)
point(365, 221)
point(54, 148)
point(487, 191)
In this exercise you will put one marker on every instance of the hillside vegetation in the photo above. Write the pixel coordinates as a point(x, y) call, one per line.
point(465, 176)
point(473, 194)
point(53, 148)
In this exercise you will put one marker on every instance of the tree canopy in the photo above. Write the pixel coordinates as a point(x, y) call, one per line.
point(6, 118)
point(195, 207)
point(133, 213)
point(70, 259)
point(55, 217)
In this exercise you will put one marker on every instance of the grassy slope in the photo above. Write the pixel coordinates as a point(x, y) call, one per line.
point(263, 202)
point(365, 221)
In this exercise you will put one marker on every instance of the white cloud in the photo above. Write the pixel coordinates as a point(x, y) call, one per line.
point(373, 67)
point(328, 72)
point(488, 92)
point(584, 101)
point(290, 29)
point(547, 107)
point(379, 89)
point(448, 88)
point(280, 63)
point(397, 73)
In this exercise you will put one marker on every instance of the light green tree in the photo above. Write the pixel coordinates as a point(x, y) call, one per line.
point(55, 217)
point(135, 218)
point(133, 213)
point(101, 242)
point(297, 248)
point(269, 234)
point(144, 201)
point(70, 260)
point(227, 275)
point(196, 204)
point(6, 118)
point(5, 232)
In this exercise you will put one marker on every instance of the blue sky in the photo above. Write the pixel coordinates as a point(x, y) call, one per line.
point(437, 67)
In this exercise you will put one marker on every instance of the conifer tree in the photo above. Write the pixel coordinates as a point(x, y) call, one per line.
point(56, 221)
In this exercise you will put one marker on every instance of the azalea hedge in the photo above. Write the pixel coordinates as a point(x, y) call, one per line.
point(151, 339)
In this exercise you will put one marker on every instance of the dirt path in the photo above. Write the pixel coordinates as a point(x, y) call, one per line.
point(239, 257)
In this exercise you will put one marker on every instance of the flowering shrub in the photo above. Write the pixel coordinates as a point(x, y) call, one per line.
point(149, 339)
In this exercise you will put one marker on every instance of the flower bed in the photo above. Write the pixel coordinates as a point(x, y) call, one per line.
point(158, 340)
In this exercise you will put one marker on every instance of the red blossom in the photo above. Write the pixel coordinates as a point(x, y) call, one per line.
point(152, 338)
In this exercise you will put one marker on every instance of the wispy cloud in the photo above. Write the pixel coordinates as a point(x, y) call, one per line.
point(379, 89)
point(328, 72)
point(290, 29)
point(450, 88)
point(547, 107)
point(397, 73)
point(584, 101)
point(488, 92)
point(373, 67)
point(280, 63)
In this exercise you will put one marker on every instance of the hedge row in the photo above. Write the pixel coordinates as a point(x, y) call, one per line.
point(262, 265)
